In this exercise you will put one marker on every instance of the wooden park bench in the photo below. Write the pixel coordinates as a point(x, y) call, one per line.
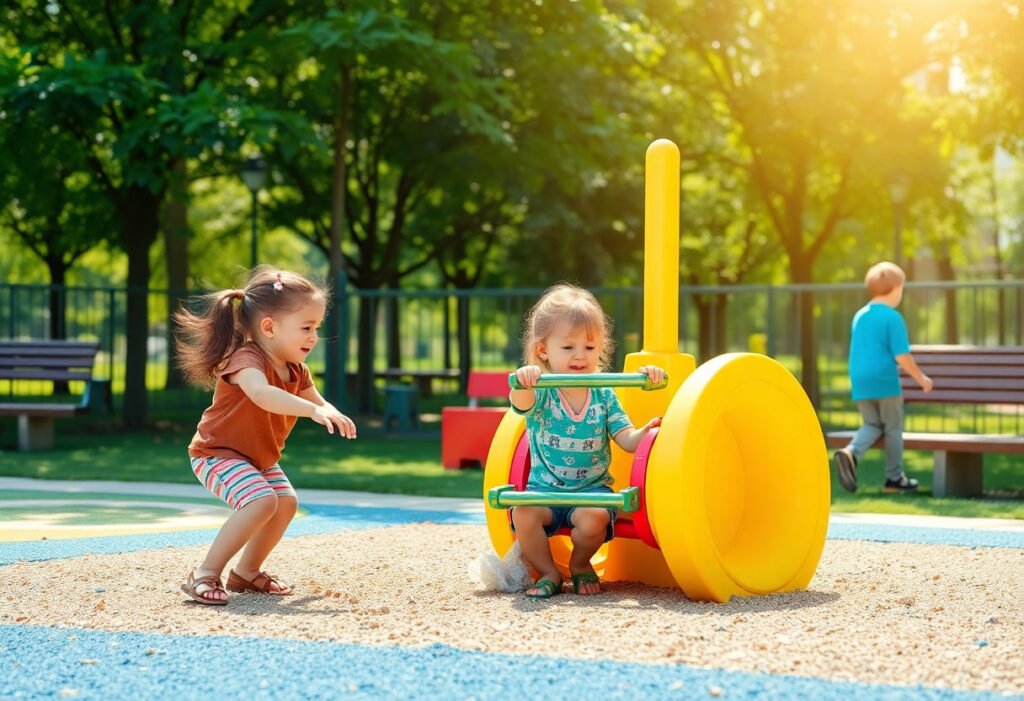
point(44, 360)
point(423, 378)
point(962, 375)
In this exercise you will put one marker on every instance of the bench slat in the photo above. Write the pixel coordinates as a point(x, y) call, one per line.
point(979, 383)
point(39, 362)
point(953, 442)
point(968, 371)
point(393, 373)
point(980, 360)
point(967, 350)
point(41, 409)
point(22, 374)
point(17, 348)
point(964, 396)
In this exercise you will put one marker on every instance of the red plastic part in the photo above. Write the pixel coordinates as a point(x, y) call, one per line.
point(466, 434)
point(519, 470)
point(519, 473)
point(487, 384)
point(638, 479)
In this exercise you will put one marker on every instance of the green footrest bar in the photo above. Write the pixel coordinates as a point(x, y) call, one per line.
point(593, 379)
point(626, 501)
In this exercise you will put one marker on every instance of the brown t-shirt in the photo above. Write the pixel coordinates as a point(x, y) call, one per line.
point(234, 427)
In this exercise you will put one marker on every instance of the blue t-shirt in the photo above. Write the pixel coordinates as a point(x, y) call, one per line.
point(878, 335)
point(569, 452)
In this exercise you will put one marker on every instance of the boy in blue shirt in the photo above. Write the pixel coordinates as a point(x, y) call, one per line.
point(878, 348)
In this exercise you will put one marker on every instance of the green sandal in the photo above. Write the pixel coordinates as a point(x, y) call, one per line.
point(581, 578)
point(547, 589)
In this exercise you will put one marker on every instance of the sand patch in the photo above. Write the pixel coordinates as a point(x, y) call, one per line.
point(876, 612)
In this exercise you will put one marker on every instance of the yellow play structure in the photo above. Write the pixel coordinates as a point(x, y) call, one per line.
point(734, 487)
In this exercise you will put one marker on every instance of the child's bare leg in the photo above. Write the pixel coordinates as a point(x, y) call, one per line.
point(235, 532)
point(588, 531)
point(530, 522)
point(264, 540)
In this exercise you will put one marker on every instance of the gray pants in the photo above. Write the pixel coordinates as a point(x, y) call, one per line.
point(881, 417)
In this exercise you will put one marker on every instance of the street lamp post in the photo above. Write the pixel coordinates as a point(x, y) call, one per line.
point(254, 174)
point(898, 188)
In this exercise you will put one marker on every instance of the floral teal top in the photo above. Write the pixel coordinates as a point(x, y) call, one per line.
point(569, 451)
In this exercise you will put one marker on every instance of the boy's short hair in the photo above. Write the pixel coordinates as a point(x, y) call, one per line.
point(882, 278)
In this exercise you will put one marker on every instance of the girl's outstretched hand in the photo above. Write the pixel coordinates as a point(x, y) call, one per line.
point(330, 417)
point(655, 373)
point(528, 376)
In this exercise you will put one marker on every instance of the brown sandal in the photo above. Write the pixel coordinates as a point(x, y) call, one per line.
point(192, 584)
point(261, 583)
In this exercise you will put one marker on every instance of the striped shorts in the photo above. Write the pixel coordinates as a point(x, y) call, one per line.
point(237, 482)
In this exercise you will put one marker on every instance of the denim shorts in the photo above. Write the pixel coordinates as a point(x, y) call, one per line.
point(561, 516)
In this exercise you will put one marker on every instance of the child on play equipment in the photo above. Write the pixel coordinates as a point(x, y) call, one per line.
point(252, 345)
point(568, 429)
point(878, 344)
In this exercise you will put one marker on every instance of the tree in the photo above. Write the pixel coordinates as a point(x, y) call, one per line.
point(55, 207)
point(423, 83)
point(809, 87)
point(136, 87)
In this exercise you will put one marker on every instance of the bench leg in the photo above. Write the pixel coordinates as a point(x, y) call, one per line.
point(426, 386)
point(957, 474)
point(35, 433)
point(400, 404)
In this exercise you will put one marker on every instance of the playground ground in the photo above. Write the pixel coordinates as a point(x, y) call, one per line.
point(900, 607)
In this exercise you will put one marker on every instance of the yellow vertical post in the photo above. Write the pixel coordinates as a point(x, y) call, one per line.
point(629, 559)
point(661, 248)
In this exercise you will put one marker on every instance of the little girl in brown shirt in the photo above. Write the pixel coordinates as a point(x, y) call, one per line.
point(252, 345)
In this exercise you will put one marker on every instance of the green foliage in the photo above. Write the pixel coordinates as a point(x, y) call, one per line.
point(481, 133)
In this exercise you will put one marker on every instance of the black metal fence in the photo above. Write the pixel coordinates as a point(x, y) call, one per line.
point(436, 330)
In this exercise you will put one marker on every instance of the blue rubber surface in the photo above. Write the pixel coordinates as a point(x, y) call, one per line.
point(320, 519)
point(46, 662)
point(928, 536)
point(331, 519)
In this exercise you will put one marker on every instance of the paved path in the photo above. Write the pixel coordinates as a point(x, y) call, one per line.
point(46, 509)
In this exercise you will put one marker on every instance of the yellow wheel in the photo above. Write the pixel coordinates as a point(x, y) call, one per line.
point(496, 473)
point(737, 482)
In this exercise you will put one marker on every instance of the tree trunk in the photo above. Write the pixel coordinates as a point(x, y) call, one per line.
point(997, 256)
point(337, 322)
point(800, 273)
point(945, 267)
point(703, 328)
point(394, 339)
point(721, 326)
point(176, 236)
point(139, 226)
point(447, 324)
point(367, 342)
point(465, 342)
point(58, 304)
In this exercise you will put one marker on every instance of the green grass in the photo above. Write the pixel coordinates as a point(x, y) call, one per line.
point(40, 495)
point(90, 449)
point(1004, 486)
point(94, 449)
point(88, 514)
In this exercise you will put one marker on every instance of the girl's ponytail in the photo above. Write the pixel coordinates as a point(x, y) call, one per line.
point(205, 340)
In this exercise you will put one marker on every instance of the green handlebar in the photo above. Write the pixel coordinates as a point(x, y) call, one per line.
point(593, 379)
point(626, 501)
